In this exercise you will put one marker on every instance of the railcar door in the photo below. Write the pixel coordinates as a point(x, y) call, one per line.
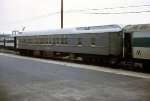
point(128, 46)
point(15, 42)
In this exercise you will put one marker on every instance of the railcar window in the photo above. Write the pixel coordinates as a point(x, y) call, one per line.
point(79, 41)
point(22, 41)
point(40, 40)
point(19, 41)
point(25, 41)
point(33, 40)
point(50, 40)
point(30, 41)
point(46, 40)
point(93, 41)
point(37, 41)
point(9, 41)
point(65, 40)
point(57, 41)
point(62, 40)
point(43, 40)
point(1, 40)
point(54, 40)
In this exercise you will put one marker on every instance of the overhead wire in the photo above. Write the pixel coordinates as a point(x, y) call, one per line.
point(118, 12)
point(83, 11)
point(119, 7)
point(31, 19)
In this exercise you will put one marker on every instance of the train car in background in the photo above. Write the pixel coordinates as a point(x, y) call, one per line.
point(1, 42)
point(137, 43)
point(7, 41)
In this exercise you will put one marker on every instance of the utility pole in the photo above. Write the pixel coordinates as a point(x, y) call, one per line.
point(61, 13)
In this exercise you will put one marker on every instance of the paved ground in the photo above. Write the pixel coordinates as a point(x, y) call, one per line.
point(29, 79)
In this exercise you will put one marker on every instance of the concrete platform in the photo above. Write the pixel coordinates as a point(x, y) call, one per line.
point(32, 79)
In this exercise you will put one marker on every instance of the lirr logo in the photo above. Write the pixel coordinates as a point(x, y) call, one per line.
point(138, 52)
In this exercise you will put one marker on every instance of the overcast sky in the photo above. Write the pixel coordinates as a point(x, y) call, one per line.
point(45, 14)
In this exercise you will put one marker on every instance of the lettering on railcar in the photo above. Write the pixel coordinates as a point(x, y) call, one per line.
point(138, 52)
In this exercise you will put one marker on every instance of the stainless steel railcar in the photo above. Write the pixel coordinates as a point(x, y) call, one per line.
point(137, 43)
point(93, 43)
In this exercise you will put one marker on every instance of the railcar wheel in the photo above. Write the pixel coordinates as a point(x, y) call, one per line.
point(21, 53)
point(36, 53)
point(43, 54)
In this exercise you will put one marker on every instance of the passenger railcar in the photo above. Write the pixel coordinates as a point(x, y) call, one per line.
point(7, 41)
point(108, 43)
point(137, 43)
point(93, 43)
point(1, 41)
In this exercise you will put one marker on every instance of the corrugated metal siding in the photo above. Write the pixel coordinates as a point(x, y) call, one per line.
point(139, 27)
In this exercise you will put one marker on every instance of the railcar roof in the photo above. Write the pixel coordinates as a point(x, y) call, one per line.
point(77, 30)
point(138, 27)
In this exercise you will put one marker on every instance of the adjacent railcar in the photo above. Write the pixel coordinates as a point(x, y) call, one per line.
point(1, 41)
point(7, 41)
point(137, 43)
point(93, 43)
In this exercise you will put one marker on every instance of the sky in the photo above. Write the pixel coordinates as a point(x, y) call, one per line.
point(45, 14)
